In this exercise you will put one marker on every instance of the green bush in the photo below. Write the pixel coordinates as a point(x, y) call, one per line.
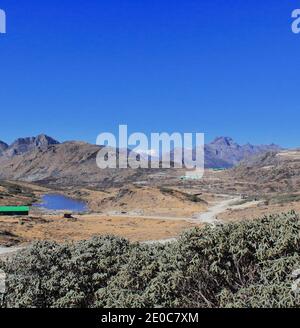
point(52, 275)
point(247, 264)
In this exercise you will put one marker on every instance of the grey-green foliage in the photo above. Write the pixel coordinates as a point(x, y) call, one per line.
point(246, 264)
point(52, 275)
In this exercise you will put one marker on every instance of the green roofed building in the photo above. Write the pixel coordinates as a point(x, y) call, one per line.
point(14, 210)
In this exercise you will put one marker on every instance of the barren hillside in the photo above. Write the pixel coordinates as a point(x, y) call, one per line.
point(272, 172)
point(67, 164)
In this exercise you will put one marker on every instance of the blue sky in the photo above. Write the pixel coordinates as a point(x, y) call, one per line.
point(73, 69)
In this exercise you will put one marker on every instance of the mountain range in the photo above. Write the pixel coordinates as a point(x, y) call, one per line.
point(24, 145)
point(224, 152)
point(43, 158)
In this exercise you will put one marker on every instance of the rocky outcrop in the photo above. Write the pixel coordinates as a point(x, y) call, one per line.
point(225, 152)
point(3, 147)
point(24, 145)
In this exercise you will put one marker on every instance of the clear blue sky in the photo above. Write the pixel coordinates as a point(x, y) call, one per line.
point(73, 69)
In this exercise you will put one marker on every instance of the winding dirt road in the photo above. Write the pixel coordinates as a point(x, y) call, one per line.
point(5, 251)
point(208, 217)
point(211, 216)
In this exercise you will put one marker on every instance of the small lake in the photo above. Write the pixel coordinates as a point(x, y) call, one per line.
point(57, 202)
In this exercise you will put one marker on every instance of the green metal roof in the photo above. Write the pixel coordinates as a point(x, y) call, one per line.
point(14, 209)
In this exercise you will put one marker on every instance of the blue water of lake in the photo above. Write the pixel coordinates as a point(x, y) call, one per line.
point(57, 202)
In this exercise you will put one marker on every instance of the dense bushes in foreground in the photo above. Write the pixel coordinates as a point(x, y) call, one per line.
point(247, 264)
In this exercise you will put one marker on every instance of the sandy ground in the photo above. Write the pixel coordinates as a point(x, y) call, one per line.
point(146, 201)
point(138, 214)
point(83, 227)
point(135, 228)
point(21, 231)
point(148, 214)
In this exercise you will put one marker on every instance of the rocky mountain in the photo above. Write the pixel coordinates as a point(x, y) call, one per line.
point(277, 171)
point(224, 152)
point(67, 164)
point(24, 145)
point(43, 159)
point(3, 147)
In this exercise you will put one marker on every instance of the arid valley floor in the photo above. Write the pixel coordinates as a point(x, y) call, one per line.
point(158, 209)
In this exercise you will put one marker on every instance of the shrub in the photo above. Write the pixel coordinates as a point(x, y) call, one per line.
point(247, 264)
point(52, 275)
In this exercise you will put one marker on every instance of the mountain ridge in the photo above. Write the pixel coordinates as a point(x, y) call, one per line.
point(24, 145)
point(3, 147)
point(43, 159)
point(225, 152)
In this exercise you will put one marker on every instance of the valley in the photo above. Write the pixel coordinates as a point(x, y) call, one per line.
point(144, 204)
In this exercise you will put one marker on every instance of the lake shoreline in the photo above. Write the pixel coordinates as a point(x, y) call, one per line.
point(59, 203)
